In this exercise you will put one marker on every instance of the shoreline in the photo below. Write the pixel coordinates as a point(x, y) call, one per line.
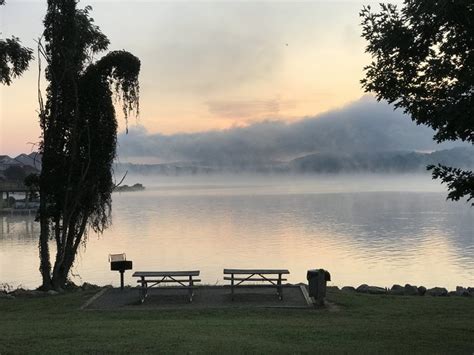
point(7, 291)
point(18, 211)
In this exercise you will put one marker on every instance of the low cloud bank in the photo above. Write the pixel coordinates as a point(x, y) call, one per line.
point(363, 126)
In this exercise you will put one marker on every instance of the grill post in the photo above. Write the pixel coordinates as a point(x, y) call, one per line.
point(121, 279)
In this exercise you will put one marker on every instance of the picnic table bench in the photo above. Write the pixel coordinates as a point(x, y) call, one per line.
point(178, 279)
point(271, 277)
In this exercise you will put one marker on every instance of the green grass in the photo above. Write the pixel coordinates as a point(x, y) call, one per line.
point(362, 324)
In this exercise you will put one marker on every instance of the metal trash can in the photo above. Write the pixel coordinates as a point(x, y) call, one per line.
point(317, 279)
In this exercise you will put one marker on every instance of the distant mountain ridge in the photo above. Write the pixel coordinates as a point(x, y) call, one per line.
point(20, 166)
point(372, 162)
point(32, 160)
point(323, 162)
point(379, 162)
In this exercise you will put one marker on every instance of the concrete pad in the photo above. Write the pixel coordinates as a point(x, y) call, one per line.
point(204, 297)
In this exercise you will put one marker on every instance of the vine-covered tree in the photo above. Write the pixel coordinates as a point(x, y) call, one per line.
point(423, 62)
point(14, 58)
point(79, 128)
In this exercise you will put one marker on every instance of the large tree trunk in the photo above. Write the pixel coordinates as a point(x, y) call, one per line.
point(60, 276)
point(45, 264)
point(67, 250)
point(62, 269)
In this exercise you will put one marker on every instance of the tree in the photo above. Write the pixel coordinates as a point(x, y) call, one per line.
point(14, 58)
point(15, 173)
point(423, 63)
point(79, 129)
point(31, 181)
point(18, 173)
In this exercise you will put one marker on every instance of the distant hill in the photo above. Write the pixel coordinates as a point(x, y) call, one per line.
point(15, 169)
point(32, 160)
point(323, 162)
point(378, 162)
point(373, 162)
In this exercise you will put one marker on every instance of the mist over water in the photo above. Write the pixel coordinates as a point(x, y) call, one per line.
point(376, 229)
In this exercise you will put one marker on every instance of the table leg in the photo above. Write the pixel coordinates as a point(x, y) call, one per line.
point(191, 290)
point(143, 291)
point(232, 286)
point(279, 288)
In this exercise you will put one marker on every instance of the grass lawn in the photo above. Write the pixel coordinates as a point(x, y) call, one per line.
point(360, 324)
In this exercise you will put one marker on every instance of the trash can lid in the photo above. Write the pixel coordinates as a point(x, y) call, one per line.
point(312, 273)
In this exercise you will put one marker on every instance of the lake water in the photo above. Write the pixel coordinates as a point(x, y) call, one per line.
point(378, 230)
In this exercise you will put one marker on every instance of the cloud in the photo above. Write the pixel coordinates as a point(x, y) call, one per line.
point(365, 125)
point(204, 49)
point(248, 109)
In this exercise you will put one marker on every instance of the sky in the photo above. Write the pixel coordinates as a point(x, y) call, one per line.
point(208, 66)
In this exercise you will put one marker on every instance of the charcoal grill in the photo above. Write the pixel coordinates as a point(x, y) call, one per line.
point(119, 262)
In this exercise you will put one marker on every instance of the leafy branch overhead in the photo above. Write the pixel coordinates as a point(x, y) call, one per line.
point(14, 58)
point(423, 63)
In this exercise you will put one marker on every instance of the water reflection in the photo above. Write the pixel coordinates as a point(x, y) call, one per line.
point(373, 237)
point(18, 227)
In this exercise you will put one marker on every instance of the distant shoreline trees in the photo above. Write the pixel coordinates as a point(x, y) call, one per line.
point(423, 63)
point(126, 188)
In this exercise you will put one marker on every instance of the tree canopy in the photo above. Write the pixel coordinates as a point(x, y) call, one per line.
point(79, 127)
point(423, 63)
point(14, 58)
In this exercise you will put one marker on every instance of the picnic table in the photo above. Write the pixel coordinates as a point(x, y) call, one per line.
point(159, 279)
point(270, 277)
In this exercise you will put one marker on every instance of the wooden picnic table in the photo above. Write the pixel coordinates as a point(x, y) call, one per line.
point(157, 279)
point(270, 277)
